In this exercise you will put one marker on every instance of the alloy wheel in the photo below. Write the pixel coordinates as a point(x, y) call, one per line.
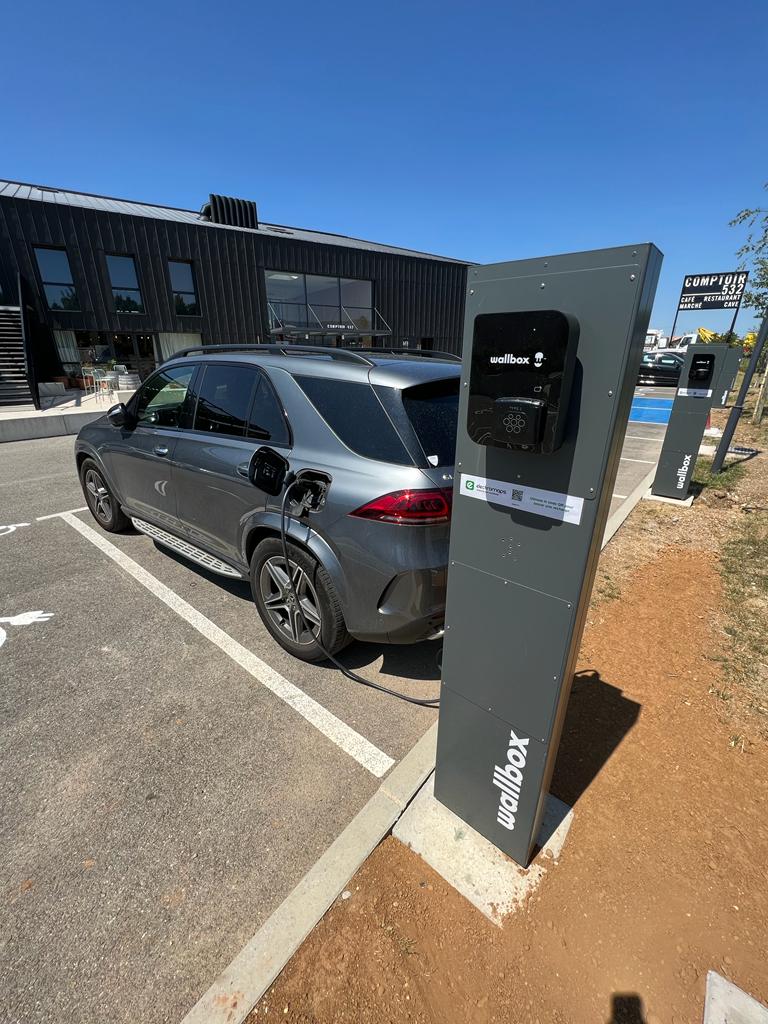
point(98, 496)
point(279, 601)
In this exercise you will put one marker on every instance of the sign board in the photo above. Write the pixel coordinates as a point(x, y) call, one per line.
point(713, 291)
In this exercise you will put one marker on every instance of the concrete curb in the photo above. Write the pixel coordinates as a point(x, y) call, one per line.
point(621, 513)
point(28, 428)
point(240, 985)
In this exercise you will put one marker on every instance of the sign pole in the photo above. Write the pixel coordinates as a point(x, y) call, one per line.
point(733, 419)
point(677, 313)
point(733, 322)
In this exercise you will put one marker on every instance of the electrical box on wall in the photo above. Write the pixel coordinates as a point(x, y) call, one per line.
point(551, 353)
point(520, 379)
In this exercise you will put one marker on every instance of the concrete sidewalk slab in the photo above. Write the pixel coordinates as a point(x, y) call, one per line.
point(469, 862)
point(727, 1004)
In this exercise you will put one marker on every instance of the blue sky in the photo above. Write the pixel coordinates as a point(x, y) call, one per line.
point(485, 131)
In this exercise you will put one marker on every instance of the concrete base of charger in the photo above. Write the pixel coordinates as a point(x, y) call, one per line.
point(476, 868)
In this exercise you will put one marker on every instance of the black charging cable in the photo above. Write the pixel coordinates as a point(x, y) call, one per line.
point(433, 703)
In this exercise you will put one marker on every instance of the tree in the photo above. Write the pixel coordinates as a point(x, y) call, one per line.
point(755, 251)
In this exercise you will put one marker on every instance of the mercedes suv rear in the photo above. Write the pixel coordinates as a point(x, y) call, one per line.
point(371, 563)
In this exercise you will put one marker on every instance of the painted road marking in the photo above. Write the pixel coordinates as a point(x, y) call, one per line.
point(362, 750)
point(646, 462)
point(10, 528)
point(57, 515)
point(639, 437)
point(622, 496)
point(23, 619)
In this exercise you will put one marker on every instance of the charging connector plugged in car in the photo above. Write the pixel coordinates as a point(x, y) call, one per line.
point(306, 493)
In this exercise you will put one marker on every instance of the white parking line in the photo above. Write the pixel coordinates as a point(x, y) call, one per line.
point(640, 437)
point(60, 515)
point(646, 462)
point(362, 750)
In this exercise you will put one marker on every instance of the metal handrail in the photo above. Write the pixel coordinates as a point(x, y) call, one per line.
point(29, 357)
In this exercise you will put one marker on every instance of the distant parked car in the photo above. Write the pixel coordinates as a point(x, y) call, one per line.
point(660, 369)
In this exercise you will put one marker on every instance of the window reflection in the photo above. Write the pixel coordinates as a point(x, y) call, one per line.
point(317, 302)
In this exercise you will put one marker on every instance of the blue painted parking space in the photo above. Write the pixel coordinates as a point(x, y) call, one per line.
point(651, 410)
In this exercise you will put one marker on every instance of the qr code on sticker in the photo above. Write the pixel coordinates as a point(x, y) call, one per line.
point(516, 495)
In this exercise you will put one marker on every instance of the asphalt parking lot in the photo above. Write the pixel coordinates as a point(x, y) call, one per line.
point(168, 772)
point(158, 800)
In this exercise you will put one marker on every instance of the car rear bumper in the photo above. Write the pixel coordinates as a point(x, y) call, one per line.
point(411, 608)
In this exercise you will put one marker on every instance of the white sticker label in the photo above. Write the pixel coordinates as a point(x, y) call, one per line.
point(694, 393)
point(551, 504)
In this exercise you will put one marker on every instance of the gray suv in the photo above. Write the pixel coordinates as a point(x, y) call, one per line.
point(177, 462)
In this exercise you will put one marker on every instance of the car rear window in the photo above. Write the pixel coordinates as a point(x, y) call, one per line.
point(433, 410)
point(356, 416)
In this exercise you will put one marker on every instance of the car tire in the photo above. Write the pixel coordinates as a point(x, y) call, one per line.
point(276, 607)
point(102, 504)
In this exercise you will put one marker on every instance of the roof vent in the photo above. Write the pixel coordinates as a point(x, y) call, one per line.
point(238, 213)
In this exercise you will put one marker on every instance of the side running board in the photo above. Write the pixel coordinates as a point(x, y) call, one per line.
point(187, 550)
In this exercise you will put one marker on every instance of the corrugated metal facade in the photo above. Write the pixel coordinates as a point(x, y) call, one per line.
point(418, 296)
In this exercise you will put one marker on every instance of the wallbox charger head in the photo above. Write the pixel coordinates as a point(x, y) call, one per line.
point(702, 369)
point(520, 379)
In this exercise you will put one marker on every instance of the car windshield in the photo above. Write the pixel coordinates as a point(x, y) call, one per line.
point(433, 410)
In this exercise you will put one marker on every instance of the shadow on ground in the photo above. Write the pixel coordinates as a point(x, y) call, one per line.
point(599, 716)
point(409, 661)
point(627, 1008)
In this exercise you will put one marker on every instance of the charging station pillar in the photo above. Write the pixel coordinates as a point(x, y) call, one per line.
point(552, 348)
point(727, 378)
point(703, 379)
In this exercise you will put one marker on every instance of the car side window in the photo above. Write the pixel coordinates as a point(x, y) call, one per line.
point(267, 421)
point(357, 417)
point(224, 398)
point(165, 400)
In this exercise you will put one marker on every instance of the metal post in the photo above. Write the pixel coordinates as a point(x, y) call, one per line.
point(757, 415)
point(735, 414)
point(674, 323)
point(733, 322)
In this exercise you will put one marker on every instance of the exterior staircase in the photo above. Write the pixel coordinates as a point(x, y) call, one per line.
point(14, 384)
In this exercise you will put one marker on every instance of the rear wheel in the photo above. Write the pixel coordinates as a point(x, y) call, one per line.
point(319, 617)
point(102, 503)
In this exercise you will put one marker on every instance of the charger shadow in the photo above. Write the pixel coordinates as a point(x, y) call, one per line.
point(626, 1008)
point(598, 718)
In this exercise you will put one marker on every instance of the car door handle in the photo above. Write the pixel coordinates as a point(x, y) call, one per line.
point(244, 469)
point(160, 449)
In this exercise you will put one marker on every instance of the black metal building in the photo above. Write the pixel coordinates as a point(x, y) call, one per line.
point(106, 281)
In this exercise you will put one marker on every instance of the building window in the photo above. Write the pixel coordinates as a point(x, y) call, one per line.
point(56, 277)
point(319, 304)
point(125, 284)
point(183, 288)
point(357, 302)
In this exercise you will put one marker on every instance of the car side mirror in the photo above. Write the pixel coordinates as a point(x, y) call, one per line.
point(118, 415)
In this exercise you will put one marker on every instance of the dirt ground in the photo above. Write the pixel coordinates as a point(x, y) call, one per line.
point(665, 759)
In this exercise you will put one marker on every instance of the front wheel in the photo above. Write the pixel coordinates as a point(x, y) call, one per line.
point(316, 617)
point(102, 503)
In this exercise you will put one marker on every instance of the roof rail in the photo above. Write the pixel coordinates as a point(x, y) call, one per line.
point(346, 355)
point(432, 353)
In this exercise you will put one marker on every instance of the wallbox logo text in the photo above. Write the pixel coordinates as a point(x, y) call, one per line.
point(509, 357)
point(509, 779)
point(682, 473)
point(470, 485)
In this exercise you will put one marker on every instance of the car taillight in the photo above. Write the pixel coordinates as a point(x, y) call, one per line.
point(407, 508)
